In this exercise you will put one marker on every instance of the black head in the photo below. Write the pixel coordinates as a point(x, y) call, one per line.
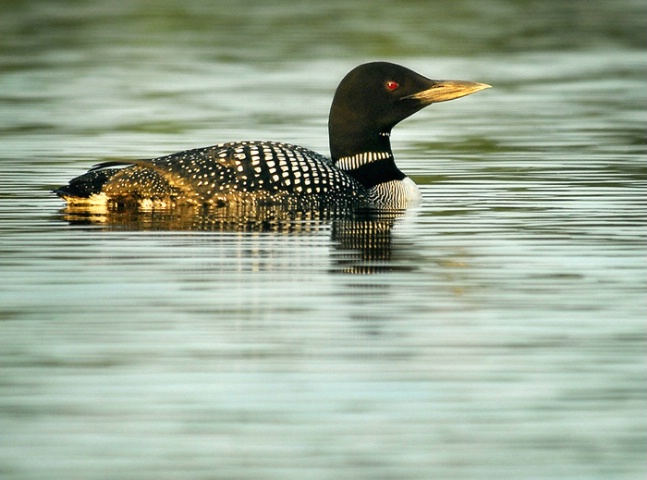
point(374, 97)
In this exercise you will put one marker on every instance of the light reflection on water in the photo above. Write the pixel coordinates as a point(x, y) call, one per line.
point(496, 332)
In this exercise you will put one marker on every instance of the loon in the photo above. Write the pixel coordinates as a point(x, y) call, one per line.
point(361, 172)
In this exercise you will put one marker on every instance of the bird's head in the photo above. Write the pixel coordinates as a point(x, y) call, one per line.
point(374, 97)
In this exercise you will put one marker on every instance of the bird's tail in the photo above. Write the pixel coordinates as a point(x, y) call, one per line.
point(88, 184)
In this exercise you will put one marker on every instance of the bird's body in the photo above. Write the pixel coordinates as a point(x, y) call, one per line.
point(361, 172)
point(244, 172)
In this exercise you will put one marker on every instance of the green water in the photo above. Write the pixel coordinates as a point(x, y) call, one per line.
point(498, 331)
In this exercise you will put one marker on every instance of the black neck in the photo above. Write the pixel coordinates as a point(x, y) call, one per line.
point(363, 144)
point(346, 142)
point(376, 172)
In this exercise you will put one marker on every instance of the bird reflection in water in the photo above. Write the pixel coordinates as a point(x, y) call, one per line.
point(362, 242)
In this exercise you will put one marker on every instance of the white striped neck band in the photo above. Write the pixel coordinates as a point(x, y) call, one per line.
point(355, 161)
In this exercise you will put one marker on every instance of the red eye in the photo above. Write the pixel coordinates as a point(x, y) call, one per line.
point(392, 85)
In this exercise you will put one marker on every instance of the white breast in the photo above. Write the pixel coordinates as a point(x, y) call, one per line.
point(396, 194)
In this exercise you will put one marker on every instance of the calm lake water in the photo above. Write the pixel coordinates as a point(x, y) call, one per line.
point(498, 331)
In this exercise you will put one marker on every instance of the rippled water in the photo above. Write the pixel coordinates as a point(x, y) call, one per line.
point(498, 331)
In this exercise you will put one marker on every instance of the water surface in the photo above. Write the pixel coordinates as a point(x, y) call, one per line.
point(495, 332)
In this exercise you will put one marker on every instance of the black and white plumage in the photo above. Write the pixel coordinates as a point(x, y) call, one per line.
point(361, 172)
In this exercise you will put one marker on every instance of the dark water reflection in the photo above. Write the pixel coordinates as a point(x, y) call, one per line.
point(361, 241)
point(496, 332)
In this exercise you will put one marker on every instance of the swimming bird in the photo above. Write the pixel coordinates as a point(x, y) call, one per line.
point(360, 173)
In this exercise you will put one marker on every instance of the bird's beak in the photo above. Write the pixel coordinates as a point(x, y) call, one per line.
point(443, 90)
